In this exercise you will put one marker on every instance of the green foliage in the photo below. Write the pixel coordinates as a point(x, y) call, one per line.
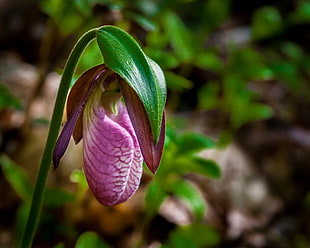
point(189, 194)
point(217, 12)
point(180, 158)
point(290, 64)
point(16, 177)
point(267, 21)
point(239, 102)
point(180, 37)
point(172, 45)
point(195, 236)
point(177, 82)
point(21, 220)
point(90, 240)
point(230, 92)
point(193, 142)
point(7, 100)
point(20, 183)
point(70, 16)
point(93, 58)
point(57, 197)
point(78, 177)
point(209, 60)
point(302, 12)
point(176, 39)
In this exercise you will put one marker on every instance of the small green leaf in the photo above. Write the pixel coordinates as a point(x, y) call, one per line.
point(180, 37)
point(191, 195)
point(217, 12)
point(292, 51)
point(123, 55)
point(250, 59)
point(166, 59)
point(87, 62)
point(267, 21)
point(177, 82)
point(258, 111)
point(208, 95)
point(7, 100)
point(302, 13)
point(17, 178)
point(195, 235)
point(194, 142)
point(157, 39)
point(143, 21)
point(210, 61)
point(78, 176)
point(21, 220)
point(57, 197)
point(155, 195)
point(205, 167)
point(89, 240)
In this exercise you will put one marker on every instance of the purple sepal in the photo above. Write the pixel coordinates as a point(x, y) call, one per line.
point(66, 133)
point(152, 153)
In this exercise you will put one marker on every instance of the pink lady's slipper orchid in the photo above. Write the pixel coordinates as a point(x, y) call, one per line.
point(108, 114)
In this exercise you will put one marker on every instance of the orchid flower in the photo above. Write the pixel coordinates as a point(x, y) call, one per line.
point(109, 110)
point(117, 109)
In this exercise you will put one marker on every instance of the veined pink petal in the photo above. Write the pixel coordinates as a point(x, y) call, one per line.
point(112, 156)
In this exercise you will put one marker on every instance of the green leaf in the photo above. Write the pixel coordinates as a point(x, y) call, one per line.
point(191, 195)
point(123, 55)
point(210, 61)
point(258, 111)
point(166, 59)
point(193, 142)
point(181, 38)
point(90, 240)
point(208, 95)
point(21, 220)
point(250, 59)
point(70, 16)
point(177, 82)
point(89, 61)
point(8, 100)
point(157, 39)
point(216, 11)
point(292, 51)
point(267, 22)
point(78, 176)
point(205, 167)
point(57, 197)
point(194, 235)
point(17, 178)
point(302, 12)
point(143, 21)
point(155, 195)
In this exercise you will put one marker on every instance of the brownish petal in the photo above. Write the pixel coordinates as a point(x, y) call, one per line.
point(151, 152)
point(76, 94)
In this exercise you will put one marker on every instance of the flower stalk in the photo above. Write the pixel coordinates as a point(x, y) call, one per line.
point(40, 184)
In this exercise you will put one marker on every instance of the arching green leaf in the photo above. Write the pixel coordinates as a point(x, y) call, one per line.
point(124, 56)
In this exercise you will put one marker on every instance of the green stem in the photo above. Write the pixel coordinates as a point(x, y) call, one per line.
point(38, 194)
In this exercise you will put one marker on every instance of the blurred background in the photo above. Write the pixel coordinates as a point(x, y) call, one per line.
point(236, 165)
